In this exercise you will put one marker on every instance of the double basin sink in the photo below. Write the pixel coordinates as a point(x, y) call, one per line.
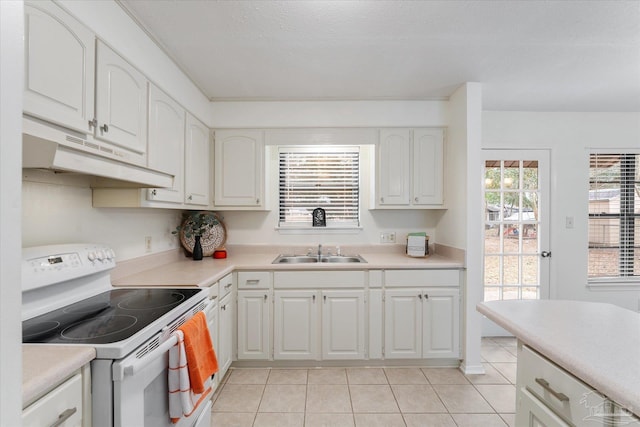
point(301, 259)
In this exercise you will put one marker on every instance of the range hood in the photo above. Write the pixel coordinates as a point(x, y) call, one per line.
point(46, 146)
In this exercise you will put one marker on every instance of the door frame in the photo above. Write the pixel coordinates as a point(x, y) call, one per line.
point(543, 156)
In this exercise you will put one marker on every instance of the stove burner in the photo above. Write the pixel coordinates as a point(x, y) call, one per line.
point(98, 327)
point(39, 329)
point(89, 308)
point(147, 300)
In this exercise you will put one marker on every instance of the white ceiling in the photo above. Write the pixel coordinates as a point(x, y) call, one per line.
point(529, 55)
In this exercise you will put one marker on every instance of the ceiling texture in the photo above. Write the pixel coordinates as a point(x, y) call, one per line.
point(529, 55)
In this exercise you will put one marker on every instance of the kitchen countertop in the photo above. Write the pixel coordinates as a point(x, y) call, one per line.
point(598, 343)
point(42, 369)
point(183, 271)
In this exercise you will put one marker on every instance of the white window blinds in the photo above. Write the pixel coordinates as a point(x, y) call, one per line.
point(319, 177)
point(614, 215)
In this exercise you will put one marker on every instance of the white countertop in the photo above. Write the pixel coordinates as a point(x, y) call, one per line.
point(596, 342)
point(43, 368)
point(183, 271)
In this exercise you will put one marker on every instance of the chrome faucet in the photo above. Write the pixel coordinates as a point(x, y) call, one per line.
point(319, 251)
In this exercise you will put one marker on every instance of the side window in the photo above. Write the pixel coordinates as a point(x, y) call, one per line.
point(614, 215)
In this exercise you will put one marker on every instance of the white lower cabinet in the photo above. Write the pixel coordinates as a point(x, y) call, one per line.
point(225, 329)
point(422, 323)
point(254, 320)
point(67, 405)
point(295, 334)
point(533, 413)
point(343, 324)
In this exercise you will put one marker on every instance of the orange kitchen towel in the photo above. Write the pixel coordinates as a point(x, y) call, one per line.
point(201, 357)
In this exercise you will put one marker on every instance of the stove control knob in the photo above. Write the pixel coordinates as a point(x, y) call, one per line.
point(100, 255)
point(91, 256)
point(111, 254)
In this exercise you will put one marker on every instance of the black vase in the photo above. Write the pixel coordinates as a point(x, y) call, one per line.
point(197, 249)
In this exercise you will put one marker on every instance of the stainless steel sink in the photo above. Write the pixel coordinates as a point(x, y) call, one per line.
point(301, 259)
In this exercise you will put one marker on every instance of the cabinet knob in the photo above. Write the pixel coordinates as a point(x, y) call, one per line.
point(381, 199)
point(265, 297)
point(93, 123)
point(416, 200)
point(420, 296)
point(104, 128)
point(257, 201)
point(190, 197)
point(314, 298)
point(426, 296)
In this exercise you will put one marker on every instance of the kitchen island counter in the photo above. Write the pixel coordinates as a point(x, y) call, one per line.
point(43, 369)
point(596, 342)
point(177, 270)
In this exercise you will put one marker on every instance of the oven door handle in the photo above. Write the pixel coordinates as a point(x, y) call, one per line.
point(134, 367)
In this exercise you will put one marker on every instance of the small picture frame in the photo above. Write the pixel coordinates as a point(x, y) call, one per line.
point(319, 217)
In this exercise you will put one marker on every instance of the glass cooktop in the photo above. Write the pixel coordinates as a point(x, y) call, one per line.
point(105, 318)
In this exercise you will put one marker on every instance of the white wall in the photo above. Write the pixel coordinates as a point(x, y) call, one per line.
point(56, 208)
point(11, 71)
point(568, 136)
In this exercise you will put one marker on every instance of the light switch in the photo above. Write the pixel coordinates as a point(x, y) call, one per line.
point(568, 222)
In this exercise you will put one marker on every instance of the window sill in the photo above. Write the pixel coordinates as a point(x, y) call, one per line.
point(302, 230)
point(616, 284)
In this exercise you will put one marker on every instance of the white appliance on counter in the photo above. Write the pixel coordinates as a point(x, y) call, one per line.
point(68, 300)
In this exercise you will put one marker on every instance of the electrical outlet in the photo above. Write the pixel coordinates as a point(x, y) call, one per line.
point(389, 237)
point(147, 243)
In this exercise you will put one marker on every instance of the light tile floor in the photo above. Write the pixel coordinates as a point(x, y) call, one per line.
point(371, 397)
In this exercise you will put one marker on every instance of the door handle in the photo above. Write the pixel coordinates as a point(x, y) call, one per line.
point(545, 254)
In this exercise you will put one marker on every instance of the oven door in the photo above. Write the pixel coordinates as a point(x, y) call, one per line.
point(141, 391)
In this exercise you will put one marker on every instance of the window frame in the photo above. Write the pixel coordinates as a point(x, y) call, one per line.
point(626, 215)
point(331, 227)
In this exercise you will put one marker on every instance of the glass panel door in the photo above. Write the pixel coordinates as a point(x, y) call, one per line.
point(516, 231)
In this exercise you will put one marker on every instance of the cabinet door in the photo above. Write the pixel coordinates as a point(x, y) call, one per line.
point(197, 163)
point(343, 317)
point(427, 166)
point(58, 404)
point(533, 413)
point(59, 67)
point(253, 325)
point(295, 334)
point(403, 324)
point(239, 169)
point(393, 177)
point(121, 101)
point(225, 337)
point(441, 323)
point(212, 323)
point(166, 144)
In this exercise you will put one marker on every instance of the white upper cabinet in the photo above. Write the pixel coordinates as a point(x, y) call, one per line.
point(166, 143)
point(428, 145)
point(197, 163)
point(394, 151)
point(239, 169)
point(59, 67)
point(409, 169)
point(121, 101)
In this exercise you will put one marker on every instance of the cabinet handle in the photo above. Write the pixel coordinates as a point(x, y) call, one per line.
point(228, 285)
point(381, 199)
point(426, 296)
point(154, 192)
point(420, 296)
point(325, 298)
point(314, 298)
point(253, 282)
point(265, 297)
point(190, 197)
point(545, 385)
point(416, 200)
point(93, 123)
point(257, 201)
point(64, 417)
point(224, 307)
point(104, 128)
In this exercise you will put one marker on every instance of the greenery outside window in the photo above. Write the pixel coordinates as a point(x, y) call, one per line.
point(614, 216)
point(324, 177)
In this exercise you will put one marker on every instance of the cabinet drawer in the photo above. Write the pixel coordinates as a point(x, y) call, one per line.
point(564, 394)
point(422, 278)
point(254, 280)
point(318, 279)
point(225, 285)
point(63, 401)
